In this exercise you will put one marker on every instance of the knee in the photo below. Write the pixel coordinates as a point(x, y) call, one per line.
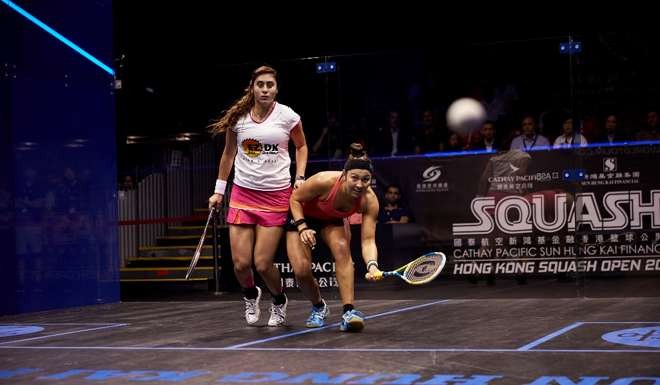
point(341, 252)
point(341, 245)
point(241, 266)
point(263, 268)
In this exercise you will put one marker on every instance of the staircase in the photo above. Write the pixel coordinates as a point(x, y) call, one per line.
point(169, 258)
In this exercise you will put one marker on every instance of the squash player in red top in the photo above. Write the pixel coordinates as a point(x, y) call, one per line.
point(321, 205)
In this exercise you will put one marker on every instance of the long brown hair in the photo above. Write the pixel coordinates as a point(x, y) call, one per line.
point(241, 106)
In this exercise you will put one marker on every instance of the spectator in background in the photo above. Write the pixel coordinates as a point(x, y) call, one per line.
point(392, 210)
point(29, 204)
point(569, 137)
point(328, 145)
point(127, 183)
point(529, 139)
point(390, 139)
point(454, 143)
point(427, 138)
point(612, 132)
point(488, 140)
point(650, 131)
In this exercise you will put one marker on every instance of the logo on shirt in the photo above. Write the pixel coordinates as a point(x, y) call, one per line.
point(253, 148)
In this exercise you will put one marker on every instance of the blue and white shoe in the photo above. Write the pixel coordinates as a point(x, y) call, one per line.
point(352, 321)
point(318, 316)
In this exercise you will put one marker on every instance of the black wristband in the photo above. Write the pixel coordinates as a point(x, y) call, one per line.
point(299, 222)
point(300, 177)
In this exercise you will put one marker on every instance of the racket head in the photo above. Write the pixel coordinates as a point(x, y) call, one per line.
point(424, 269)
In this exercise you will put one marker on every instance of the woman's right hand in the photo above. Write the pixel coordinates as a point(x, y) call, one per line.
point(215, 201)
point(308, 237)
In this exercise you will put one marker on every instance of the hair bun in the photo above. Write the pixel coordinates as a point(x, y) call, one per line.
point(357, 150)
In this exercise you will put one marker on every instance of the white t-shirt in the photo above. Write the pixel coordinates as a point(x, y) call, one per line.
point(571, 141)
point(262, 158)
point(524, 143)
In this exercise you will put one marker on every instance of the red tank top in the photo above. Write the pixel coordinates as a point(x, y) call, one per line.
point(324, 208)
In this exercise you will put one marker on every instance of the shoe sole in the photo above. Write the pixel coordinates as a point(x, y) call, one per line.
point(314, 326)
point(354, 326)
point(269, 324)
point(277, 325)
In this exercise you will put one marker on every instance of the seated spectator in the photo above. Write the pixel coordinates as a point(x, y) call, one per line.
point(488, 140)
point(328, 145)
point(391, 139)
point(392, 211)
point(569, 138)
point(612, 133)
point(529, 139)
point(427, 138)
point(651, 131)
point(454, 143)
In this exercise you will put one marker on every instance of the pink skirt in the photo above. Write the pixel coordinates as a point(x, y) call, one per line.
point(254, 207)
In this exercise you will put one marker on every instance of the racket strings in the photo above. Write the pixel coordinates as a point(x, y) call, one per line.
point(423, 268)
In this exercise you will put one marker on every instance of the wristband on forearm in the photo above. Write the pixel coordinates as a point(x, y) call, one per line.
point(220, 186)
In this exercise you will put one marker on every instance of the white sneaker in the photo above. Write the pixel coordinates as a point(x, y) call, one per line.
point(252, 311)
point(278, 313)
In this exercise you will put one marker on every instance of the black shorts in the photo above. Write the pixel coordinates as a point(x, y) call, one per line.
point(313, 223)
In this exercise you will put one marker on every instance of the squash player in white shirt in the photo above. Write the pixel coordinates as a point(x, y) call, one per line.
point(258, 130)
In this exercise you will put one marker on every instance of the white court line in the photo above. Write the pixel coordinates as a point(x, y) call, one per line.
point(333, 325)
point(57, 323)
point(575, 325)
point(549, 337)
point(63, 334)
point(595, 350)
point(621, 322)
point(243, 347)
point(342, 350)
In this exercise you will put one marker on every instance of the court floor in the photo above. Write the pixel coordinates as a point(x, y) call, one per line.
point(405, 341)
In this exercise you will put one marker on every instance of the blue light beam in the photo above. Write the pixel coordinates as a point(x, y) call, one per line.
point(59, 37)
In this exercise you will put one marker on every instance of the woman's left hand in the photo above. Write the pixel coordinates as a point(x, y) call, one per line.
point(298, 183)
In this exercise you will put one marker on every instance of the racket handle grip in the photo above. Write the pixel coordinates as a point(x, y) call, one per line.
point(374, 277)
point(389, 273)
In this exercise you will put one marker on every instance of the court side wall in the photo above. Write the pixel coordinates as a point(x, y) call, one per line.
point(58, 211)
